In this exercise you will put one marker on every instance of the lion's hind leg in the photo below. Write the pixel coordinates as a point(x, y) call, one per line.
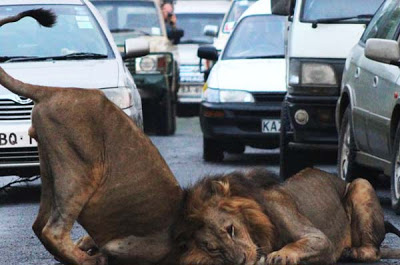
point(367, 222)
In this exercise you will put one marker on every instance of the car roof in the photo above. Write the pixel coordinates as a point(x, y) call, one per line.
point(201, 6)
point(261, 7)
point(40, 2)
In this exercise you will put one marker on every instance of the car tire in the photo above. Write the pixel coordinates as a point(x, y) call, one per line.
point(212, 150)
point(348, 169)
point(167, 117)
point(395, 176)
point(291, 161)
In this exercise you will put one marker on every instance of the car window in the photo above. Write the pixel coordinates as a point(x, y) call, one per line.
point(193, 26)
point(138, 17)
point(234, 13)
point(255, 37)
point(385, 23)
point(324, 9)
point(76, 31)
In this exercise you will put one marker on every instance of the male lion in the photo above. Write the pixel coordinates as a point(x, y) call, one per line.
point(97, 167)
point(312, 218)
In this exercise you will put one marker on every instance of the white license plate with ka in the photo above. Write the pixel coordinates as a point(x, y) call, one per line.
point(270, 126)
point(15, 139)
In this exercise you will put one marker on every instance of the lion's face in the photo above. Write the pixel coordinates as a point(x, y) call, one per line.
point(222, 239)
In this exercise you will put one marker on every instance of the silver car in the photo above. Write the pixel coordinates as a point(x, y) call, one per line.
point(77, 52)
point(368, 111)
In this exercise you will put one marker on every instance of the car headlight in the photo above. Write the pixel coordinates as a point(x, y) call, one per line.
point(227, 96)
point(120, 96)
point(152, 64)
point(312, 78)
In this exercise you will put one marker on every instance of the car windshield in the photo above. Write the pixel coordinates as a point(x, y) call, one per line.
point(136, 17)
point(193, 25)
point(76, 32)
point(257, 37)
point(327, 9)
point(234, 13)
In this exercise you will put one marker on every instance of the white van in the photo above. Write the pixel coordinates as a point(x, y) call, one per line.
point(242, 98)
point(320, 35)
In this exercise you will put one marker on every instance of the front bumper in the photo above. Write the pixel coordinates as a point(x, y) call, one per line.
point(320, 129)
point(151, 86)
point(240, 123)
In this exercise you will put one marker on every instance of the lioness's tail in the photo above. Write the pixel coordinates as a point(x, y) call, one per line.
point(390, 253)
point(45, 18)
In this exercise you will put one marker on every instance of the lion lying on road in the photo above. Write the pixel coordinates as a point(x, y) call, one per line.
point(97, 167)
point(313, 218)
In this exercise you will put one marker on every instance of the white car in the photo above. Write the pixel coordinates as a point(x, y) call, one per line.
point(77, 52)
point(244, 92)
point(195, 17)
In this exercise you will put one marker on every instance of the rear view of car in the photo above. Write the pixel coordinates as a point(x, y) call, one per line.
point(195, 17)
point(77, 52)
point(244, 92)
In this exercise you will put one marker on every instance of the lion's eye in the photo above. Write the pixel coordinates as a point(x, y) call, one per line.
point(231, 231)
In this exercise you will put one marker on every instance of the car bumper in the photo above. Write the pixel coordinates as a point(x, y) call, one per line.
point(151, 86)
point(240, 123)
point(320, 130)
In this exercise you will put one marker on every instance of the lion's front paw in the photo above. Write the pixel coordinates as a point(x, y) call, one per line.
point(283, 258)
point(98, 259)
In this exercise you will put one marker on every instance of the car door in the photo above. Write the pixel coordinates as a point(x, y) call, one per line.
point(369, 77)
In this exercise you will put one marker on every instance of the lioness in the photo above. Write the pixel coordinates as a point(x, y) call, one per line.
point(312, 218)
point(97, 167)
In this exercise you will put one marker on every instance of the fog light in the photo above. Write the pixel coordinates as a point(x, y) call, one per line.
point(213, 114)
point(301, 117)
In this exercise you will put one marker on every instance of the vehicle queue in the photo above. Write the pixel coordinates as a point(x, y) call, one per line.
point(273, 76)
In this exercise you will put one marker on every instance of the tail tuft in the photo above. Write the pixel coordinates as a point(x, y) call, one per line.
point(44, 17)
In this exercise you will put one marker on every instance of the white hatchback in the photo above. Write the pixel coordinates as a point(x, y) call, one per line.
point(243, 94)
point(77, 52)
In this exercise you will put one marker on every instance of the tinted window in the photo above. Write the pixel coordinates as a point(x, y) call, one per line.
point(139, 17)
point(385, 23)
point(76, 31)
point(320, 9)
point(193, 26)
point(234, 13)
point(257, 37)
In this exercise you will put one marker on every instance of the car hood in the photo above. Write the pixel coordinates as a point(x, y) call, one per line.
point(255, 75)
point(188, 54)
point(83, 74)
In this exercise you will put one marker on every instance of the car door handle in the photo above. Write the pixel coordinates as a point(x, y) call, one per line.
point(376, 81)
point(357, 73)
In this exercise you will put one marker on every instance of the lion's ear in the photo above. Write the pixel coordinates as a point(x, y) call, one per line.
point(221, 188)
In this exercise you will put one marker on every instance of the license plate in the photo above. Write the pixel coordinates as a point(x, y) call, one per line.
point(16, 139)
point(270, 126)
point(190, 90)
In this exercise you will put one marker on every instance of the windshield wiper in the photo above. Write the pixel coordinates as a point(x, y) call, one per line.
point(264, 57)
point(71, 56)
point(194, 41)
point(6, 59)
point(129, 30)
point(338, 19)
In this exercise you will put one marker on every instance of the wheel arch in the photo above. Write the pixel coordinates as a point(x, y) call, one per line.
point(394, 121)
point(343, 103)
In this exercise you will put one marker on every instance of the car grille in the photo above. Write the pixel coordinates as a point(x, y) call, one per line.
point(10, 110)
point(19, 155)
point(269, 97)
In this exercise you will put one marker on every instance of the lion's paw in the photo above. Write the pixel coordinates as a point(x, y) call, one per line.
point(98, 259)
point(283, 258)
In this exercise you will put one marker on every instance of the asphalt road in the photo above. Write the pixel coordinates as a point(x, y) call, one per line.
point(183, 153)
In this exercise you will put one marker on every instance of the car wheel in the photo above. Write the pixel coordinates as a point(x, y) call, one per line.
point(395, 179)
point(212, 150)
point(291, 161)
point(348, 170)
point(167, 117)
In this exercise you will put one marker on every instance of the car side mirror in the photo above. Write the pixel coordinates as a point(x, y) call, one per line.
point(208, 52)
point(136, 47)
point(384, 51)
point(175, 35)
point(211, 30)
point(283, 7)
